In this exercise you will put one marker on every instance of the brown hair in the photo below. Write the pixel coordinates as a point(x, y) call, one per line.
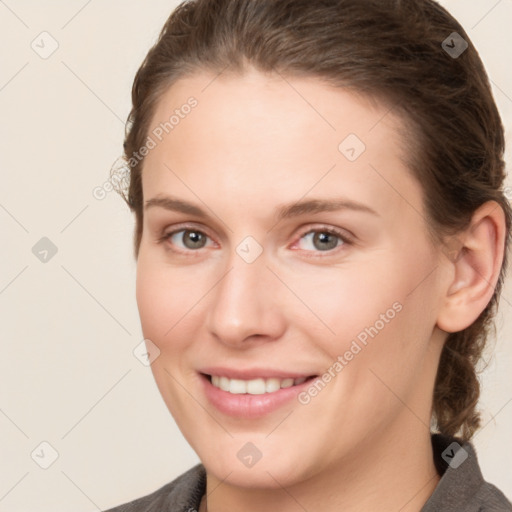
point(390, 51)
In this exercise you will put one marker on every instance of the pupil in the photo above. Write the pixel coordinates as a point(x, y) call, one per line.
point(194, 240)
point(323, 239)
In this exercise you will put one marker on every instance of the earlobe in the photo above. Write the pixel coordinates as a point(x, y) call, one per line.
point(475, 268)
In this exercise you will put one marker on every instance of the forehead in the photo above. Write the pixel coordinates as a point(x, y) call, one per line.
point(269, 103)
point(265, 132)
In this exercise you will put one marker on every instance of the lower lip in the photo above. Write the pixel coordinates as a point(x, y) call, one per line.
point(250, 406)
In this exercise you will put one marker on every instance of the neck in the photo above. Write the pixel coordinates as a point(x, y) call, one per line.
point(386, 475)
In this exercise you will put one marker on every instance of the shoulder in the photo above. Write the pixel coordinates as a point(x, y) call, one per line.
point(462, 486)
point(181, 495)
point(491, 499)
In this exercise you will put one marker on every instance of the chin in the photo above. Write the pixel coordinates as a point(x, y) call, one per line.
point(261, 476)
point(273, 469)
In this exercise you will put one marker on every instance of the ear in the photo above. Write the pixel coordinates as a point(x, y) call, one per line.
point(475, 268)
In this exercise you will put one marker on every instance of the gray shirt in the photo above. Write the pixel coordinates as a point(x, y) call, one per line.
point(461, 488)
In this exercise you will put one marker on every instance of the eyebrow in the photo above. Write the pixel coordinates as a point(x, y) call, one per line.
point(284, 212)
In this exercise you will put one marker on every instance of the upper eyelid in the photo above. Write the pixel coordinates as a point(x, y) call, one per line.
point(336, 231)
point(186, 227)
point(318, 227)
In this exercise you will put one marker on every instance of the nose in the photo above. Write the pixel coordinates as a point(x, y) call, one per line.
point(245, 305)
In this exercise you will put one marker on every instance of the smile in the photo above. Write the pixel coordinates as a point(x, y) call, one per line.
point(253, 396)
point(257, 386)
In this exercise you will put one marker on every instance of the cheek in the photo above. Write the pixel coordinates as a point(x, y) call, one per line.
point(165, 302)
point(150, 298)
point(390, 319)
point(158, 298)
point(375, 302)
point(168, 300)
point(348, 300)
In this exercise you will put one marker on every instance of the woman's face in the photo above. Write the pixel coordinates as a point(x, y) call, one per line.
point(283, 240)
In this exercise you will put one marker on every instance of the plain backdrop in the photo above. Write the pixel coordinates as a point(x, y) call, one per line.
point(69, 324)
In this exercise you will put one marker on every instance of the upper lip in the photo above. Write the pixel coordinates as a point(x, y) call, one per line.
point(253, 373)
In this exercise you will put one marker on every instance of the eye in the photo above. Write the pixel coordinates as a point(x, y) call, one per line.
point(323, 240)
point(188, 239)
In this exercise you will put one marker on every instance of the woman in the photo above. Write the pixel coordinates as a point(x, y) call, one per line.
point(321, 237)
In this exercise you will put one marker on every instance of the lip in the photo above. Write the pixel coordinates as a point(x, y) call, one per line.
point(246, 405)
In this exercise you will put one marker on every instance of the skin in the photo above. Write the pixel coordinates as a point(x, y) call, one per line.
point(253, 143)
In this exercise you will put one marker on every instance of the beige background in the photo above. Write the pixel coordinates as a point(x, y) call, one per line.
point(69, 326)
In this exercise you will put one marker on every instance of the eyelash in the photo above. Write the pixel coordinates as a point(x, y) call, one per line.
point(345, 239)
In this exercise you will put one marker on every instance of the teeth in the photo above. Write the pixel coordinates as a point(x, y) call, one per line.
point(237, 386)
point(272, 385)
point(223, 383)
point(254, 386)
point(287, 383)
